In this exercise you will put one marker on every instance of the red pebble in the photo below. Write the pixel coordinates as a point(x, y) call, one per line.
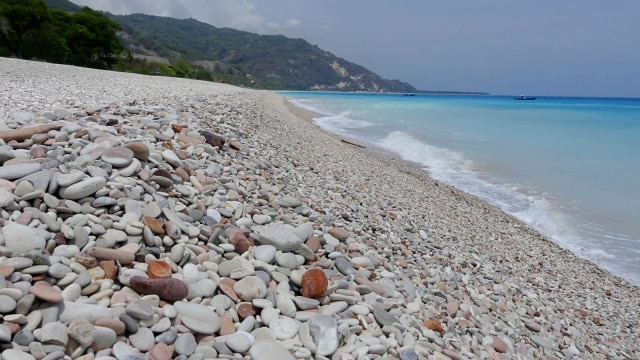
point(314, 283)
point(169, 289)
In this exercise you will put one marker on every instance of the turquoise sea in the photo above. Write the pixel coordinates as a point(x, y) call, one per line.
point(568, 167)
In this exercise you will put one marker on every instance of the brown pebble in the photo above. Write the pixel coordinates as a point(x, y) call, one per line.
point(226, 286)
point(313, 243)
point(240, 242)
point(339, 233)
point(434, 324)
point(86, 260)
point(314, 283)
point(113, 324)
point(245, 309)
point(140, 150)
point(499, 345)
point(110, 269)
point(156, 225)
point(168, 289)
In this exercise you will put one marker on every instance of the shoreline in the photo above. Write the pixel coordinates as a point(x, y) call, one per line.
point(417, 170)
point(416, 268)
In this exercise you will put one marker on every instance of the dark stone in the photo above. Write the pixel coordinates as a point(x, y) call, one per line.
point(213, 139)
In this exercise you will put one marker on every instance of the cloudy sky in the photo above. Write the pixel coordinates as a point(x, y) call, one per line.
point(540, 47)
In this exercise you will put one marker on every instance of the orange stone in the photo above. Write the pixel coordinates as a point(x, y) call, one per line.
point(226, 325)
point(156, 225)
point(313, 243)
point(226, 286)
point(314, 283)
point(110, 269)
point(158, 269)
point(433, 324)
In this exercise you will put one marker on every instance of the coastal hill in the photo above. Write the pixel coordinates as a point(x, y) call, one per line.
point(240, 57)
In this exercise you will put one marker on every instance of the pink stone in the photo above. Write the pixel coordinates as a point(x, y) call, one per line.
point(314, 283)
point(44, 291)
point(169, 289)
point(161, 351)
point(239, 240)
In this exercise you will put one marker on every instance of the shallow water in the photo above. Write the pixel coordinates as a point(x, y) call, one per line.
point(568, 167)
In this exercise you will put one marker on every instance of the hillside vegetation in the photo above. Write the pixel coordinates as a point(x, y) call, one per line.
point(190, 48)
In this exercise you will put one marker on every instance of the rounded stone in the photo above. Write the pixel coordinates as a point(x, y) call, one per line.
point(269, 349)
point(117, 156)
point(314, 283)
point(140, 150)
point(249, 288)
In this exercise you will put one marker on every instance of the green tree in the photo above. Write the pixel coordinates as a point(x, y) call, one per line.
point(90, 37)
point(19, 19)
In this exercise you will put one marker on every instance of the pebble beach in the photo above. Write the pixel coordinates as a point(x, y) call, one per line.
point(159, 218)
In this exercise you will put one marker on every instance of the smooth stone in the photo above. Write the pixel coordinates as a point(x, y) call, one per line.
point(143, 340)
point(104, 338)
point(384, 318)
point(140, 309)
point(288, 260)
point(7, 304)
point(16, 171)
point(72, 310)
point(284, 327)
point(69, 179)
point(44, 291)
point(197, 317)
point(83, 188)
point(185, 344)
point(6, 197)
point(21, 239)
point(171, 157)
point(266, 349)
point(117, 156)
point(14, 354)
point(250, 287)
point(344, 266)
point(140, 150)
point(166, 288)
point(240, 341)
point(324, 331)
point(278, 235)
point(123, 351)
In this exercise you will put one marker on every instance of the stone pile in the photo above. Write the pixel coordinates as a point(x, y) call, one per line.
point(164, 218)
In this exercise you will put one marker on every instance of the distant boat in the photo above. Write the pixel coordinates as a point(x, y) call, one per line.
point(408, 94)
point(523, 97)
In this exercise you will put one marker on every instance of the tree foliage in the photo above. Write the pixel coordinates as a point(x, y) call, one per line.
point(85, 37)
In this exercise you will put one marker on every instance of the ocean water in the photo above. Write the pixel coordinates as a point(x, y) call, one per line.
point(568, 167)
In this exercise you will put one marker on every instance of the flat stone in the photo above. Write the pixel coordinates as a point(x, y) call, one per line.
point(70, 179)
point(185, 344)
point(16, 171)
point(117, 156)
point(240, 342)
point(197, 317)
point(268, 350)
point(324, 331)
point(265, 253)
point(14, 354)
point(284, 327)
point(54, 333)
point(83, 188)
point(142, 340)
point(140, 150)
point(44, 291)
point(278, 235)
point(21, 239)
point(91, 312)
point(384, 318)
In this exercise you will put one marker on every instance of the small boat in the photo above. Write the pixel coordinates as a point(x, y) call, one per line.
point(408, 94)
point(523, 97)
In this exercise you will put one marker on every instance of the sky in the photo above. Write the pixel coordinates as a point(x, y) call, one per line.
point(504, 47)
